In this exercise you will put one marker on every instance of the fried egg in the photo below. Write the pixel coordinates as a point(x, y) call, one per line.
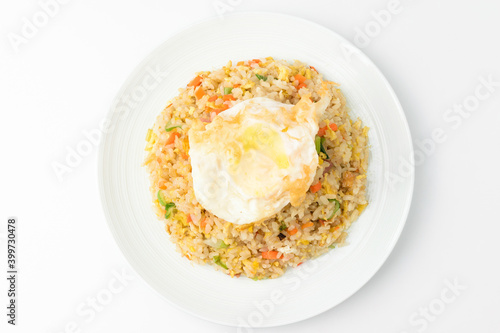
point(256, 157)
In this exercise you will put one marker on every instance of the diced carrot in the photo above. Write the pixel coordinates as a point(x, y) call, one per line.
point(300, 263)
point(213, 98)
point(228, 98)
point(184, 155)
point(270, 255)
point(199, 93)
point(237, 85)
point(322, 131)
point(293, 231)
point(307, 225)
point(322, 222)
point(195, 82)
point(203, 224)
point(222, 108)
point(300, 78)
point(316, 187)
point(254, 61)
point(189, 219)
point(171, 138)
point(314, 69)
point(334, 127)
point(302, 85)
point(240, 63)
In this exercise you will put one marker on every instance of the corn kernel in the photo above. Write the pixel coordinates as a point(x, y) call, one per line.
point(308, 74)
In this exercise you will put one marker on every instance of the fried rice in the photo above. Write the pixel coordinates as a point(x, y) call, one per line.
point(296, 234)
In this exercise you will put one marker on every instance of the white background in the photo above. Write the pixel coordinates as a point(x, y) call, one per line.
point(61, 82)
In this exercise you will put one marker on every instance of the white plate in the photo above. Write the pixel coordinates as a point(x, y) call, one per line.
point(312, 288)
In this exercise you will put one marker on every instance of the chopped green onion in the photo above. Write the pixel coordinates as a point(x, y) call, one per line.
point(317, 142)
point(322, 148)
point(255, 278)
point(169, 126)
point(161, 198)
point(227, 90)
point(218, 262)
point(283, 226)
point(221, 245)
point(260, 77)
point(332, 246)
point(168, 129)
point(148, 136)
point(169, 207)
point(337, 207)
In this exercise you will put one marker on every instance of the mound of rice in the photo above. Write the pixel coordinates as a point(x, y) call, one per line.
point(265, 249)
